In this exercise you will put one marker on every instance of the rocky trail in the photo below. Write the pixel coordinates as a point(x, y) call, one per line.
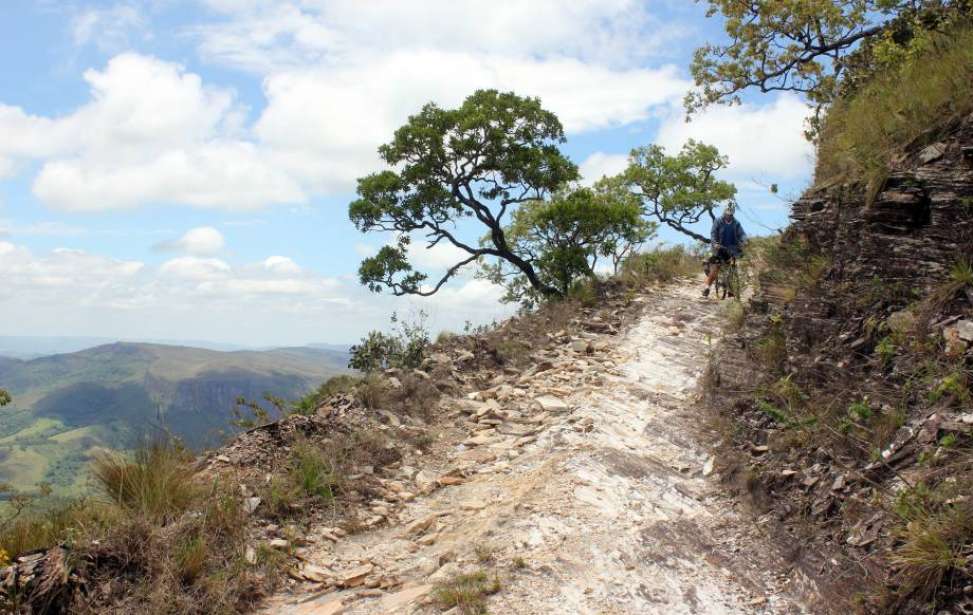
point(580, 485)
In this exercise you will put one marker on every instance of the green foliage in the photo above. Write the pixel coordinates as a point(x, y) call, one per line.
point(804, 45)
point(862, 133)
point(4, 398)
point(567, 235)
point(679, 190)
point(404, 347)
point(495, 152)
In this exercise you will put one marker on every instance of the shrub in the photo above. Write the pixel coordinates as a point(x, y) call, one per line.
point(405, 347)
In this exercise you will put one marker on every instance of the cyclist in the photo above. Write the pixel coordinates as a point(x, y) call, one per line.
point(727, 239)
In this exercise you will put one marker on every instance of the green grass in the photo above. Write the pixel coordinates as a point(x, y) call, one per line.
point(861, 135)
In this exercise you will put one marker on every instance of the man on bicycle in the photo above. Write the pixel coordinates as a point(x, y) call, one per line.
point(727, 239)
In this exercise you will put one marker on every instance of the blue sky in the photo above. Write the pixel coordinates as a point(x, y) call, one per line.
point(181, 169)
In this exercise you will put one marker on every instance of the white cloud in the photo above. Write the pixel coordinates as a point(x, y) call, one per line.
point(281, 265)
point(339, 76)
point(40, 229)
point(600, 164)
point(268, 35)
point(152, 133)
point(759, 140)
point(271, 301)
point(200, 241)
point(195, 268)
point(108, 28)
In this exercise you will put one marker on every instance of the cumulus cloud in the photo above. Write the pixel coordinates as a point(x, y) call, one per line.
point(338, 76)
point(281, 265)
point(600, 164)
point(200, 241)
point(152, 133)
point(759, 139)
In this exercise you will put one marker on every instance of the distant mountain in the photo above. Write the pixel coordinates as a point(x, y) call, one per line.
point(67, 405)
point(34, 346)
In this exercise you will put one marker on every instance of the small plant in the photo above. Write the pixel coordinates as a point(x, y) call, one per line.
point(885, 349)
point(312, 473)
point(953, 387)
point(962, 273)
point(773, 412)
point(467, 592)
point(734, 315)
point(484, 553)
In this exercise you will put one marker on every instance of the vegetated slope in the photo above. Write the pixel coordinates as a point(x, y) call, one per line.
point(857, 433)
point(114, 395)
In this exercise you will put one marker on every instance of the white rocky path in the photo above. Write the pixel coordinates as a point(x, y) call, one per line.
point(588, 492)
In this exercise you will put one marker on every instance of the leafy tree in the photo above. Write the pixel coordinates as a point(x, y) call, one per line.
point(799, 45)
point(496, 152)
point(679, 190)
point(4, 398)
point(566, 235)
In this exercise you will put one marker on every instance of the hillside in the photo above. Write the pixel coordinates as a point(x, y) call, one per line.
point(115, 395)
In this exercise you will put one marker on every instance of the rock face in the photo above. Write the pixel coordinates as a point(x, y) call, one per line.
point(916, 226)
point(883, 306)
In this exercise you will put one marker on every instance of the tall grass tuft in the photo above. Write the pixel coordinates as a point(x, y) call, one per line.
point(156, 482)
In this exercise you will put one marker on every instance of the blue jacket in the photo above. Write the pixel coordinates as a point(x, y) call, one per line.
point(730, 235)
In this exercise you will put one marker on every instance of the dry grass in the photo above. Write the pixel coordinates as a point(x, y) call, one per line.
point(933, 538)
point(467, 592)
point(156, 482)
point(659, 266)
point(862, 135)
point(163, 542)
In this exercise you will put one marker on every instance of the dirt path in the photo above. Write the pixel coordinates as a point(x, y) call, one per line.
point(586, 493)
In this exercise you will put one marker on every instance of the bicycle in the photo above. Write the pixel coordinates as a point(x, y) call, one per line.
point(728, 280)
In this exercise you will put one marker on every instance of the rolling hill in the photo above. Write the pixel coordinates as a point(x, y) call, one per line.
point(66, 406)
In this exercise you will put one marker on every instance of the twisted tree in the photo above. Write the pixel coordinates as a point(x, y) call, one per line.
point(679, 190)
point(496, 152)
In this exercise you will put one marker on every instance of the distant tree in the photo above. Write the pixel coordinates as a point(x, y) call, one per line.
point(4, 398)
point(679, 190)
point(494, 153)
point(799, 45)
point(566, 236)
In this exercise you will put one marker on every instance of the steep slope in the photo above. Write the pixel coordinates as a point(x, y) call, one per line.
point(853, 375)
point(114, 395)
